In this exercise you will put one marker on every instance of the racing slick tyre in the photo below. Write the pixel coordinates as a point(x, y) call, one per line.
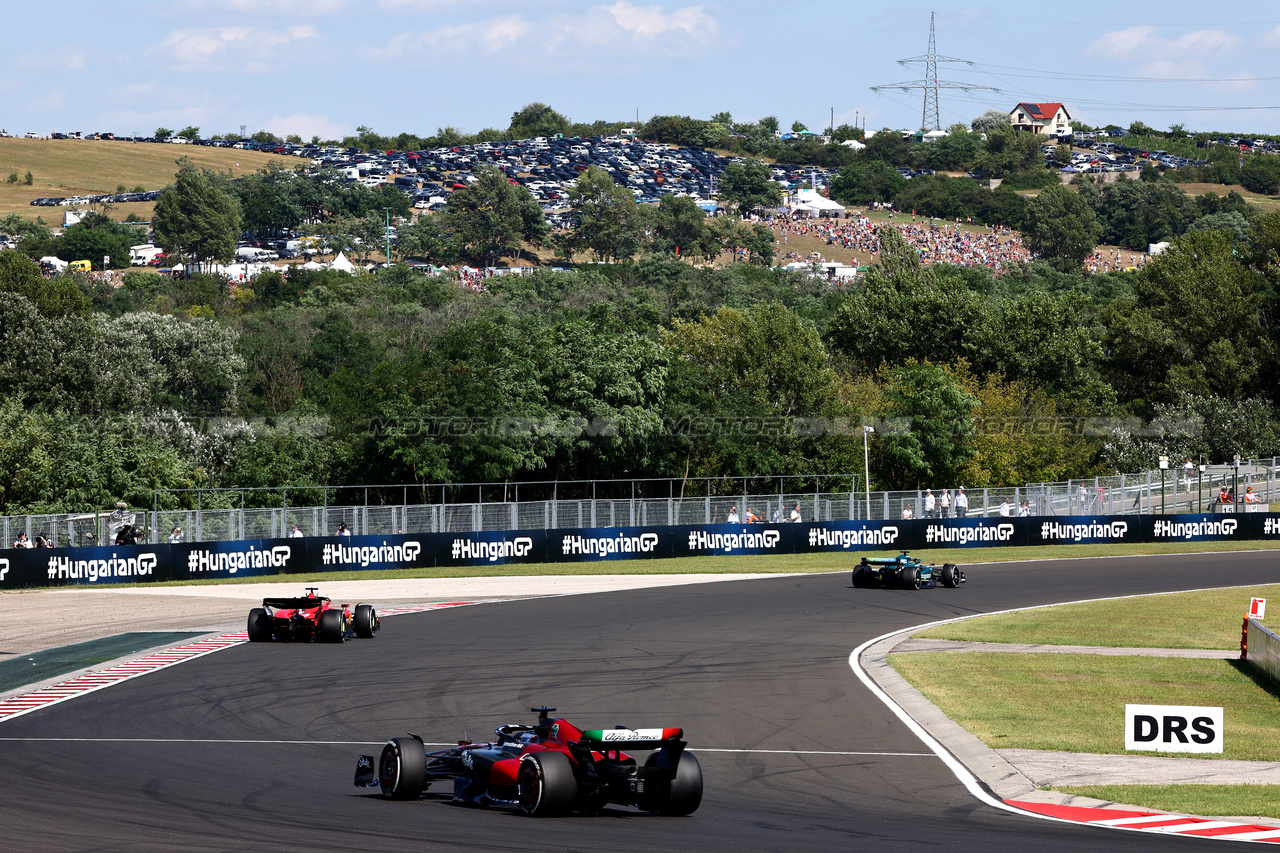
point(259, 625)
point(331, 628)
point(545, 784)
point(951, 576)
point(860, 580)
point(683, 794)
point(402, 769)
point(366, 621)
point(909, 577)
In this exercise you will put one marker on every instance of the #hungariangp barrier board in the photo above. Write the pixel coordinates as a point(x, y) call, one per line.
point(21, 568)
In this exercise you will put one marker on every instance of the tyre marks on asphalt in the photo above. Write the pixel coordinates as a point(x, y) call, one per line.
point(44, 697)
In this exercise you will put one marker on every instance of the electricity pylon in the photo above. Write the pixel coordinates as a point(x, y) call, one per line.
point(931, 84)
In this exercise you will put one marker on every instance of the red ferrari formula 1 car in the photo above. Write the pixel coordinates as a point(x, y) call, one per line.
point(311, 617)
point(549, 768)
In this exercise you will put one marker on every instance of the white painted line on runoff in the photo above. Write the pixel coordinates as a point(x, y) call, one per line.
point(1132, 821)
point(18, 706)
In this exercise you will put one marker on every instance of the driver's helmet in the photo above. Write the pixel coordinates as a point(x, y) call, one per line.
point(527, 737)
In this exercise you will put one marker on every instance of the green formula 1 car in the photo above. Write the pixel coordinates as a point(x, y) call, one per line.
point(905, 572)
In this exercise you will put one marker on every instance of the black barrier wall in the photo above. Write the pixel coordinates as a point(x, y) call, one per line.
point(22, 568)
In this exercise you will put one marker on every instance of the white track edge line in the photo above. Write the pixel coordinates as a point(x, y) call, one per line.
point(962, 773)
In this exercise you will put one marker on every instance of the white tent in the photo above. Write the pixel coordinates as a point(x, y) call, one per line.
point(313, 265)
point(57, 263)
point(817, 201)
point(341, 263)
point(854, 144)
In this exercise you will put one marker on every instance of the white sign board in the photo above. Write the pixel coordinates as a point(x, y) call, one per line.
point(1172, 728)
point(1257, 608)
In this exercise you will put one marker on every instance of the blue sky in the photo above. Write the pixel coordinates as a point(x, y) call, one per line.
point(324, 67)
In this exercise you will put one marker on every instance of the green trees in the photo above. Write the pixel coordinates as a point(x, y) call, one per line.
point(867, 181)
point(20, 275)
point(749, 186)
point(1195, 326)
point(930, 418)
point(1261, 174)
point(536, 119)
point(680, 227)
point(990, 120)
point(94, 237)
point(1009, 152)
point(492, 216)
point(1060, 227)
point(195, 219)
point(609, 220)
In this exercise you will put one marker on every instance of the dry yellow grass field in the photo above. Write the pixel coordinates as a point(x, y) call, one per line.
point(71, 167)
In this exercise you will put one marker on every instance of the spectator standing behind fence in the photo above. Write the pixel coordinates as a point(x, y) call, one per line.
point(1187, 468)
point(795, 514)
point(21, 541)
point(752, 518)
point(175, 536)
point(1084, 498)
point(962, 503)
point(944, 501)
point(1024, 510)
point(907, 513)
point(777, 514)
point(732, 517)
point(1005, 509)
point(295, 533)
point(929, 503)
point(342, 530)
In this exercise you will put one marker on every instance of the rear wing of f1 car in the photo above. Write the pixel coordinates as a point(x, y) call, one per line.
point(631, 738)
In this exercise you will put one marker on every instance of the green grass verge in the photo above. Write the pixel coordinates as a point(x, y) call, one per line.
point(1208, 800)
point(1185, 620)
point(1075, 703)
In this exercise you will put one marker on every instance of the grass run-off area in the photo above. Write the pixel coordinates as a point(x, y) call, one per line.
point(1075, 703)
point(1185, 620)
point(1216, 800)
point(766, 564)
point(72, 167)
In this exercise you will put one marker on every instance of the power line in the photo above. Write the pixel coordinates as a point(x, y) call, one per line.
point(930, 84)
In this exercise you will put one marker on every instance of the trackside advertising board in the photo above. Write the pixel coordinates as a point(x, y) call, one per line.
point(31, 567)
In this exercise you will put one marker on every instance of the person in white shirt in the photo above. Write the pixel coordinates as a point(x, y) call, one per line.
point(175, 536)
point(795, 514)
point(945, 502)
point(22, 541)
point(1024, 510)
point(342, 530)
point(732, 517)
point(295, 533)
point(1005, 508)
point(929, 503)
point(962, 503)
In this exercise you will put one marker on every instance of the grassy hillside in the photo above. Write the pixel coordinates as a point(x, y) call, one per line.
point(70, 167)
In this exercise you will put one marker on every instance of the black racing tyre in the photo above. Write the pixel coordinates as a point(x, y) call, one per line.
point(331, 628)
point(545, 784)
point(860, 577)
point(259, 625)
point(909, 578)
point(951, 576)
point(683, 794)
point(366, 621)
point(402, 769)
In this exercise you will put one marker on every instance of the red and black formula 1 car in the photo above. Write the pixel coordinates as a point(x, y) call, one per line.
point(549, 768)
point(311, 617)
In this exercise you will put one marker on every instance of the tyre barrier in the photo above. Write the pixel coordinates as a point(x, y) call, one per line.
point(40, 567)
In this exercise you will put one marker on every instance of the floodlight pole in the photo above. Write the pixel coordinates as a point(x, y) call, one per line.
point(866, 466)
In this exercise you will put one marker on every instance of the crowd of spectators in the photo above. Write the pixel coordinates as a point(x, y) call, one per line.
point(937, 242)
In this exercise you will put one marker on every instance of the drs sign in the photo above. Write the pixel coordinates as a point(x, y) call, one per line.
point(1172, 728)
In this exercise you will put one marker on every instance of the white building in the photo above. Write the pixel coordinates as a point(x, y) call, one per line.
point(1041, 119)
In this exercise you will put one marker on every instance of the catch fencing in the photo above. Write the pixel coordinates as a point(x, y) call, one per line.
point(240, 514)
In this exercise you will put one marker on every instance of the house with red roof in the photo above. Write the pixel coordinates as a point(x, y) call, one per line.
point(1041, 119)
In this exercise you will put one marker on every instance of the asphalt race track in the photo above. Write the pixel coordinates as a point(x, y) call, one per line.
point(255, 747)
